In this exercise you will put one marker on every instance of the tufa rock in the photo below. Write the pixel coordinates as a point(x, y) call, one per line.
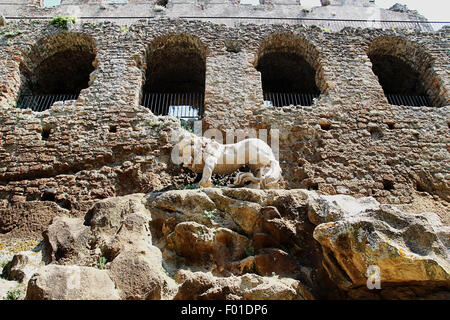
point(66, 240)
point(139, 275)
point(358, 233)
point(200, 244)
point(23, 265)
point(205, 286)
point(54, 282)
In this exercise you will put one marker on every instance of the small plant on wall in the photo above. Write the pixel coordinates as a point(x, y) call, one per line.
point(63, 22)
point(233, 46)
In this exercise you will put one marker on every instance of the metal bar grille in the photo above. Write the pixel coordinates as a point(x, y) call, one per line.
point(42, 102)
point(405, 100)
point(180, 105)
point(278, 99)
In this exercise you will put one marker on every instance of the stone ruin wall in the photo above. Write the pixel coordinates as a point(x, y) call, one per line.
point(104, 144)
point(101, 9)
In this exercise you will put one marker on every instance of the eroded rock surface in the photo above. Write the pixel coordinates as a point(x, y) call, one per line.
point(225, 243)
point(54, 282)
point(205, 286)
point(408, 250)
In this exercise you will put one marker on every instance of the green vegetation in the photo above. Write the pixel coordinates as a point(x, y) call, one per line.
point(13, 294)
point(200, 232)
point(187, 124)
point(155, 124)
point(233, 46)
point(210, 213)
point(101, 263)
point(2, 265)
point(188, 186)
point(62, 22)
point(250, 251)
point(12, 34)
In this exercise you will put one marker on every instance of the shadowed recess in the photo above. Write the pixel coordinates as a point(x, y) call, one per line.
point(287, 73)
point(406, 72)
point(175, 76)
point(396, 76)
point(176, 63)
point(58, 68)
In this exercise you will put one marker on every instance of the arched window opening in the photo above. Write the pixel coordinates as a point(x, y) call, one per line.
point(287, 73)
point(400, 83)
point(57, 69)
point(404, 72)
point(175, 77)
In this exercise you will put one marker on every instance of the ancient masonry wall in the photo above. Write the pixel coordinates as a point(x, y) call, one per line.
point(105, 144)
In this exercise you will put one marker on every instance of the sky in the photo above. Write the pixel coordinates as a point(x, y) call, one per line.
point(433, 10)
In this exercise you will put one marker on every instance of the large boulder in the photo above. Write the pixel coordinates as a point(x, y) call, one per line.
point(23, 265)
point(233, 231)
point(119, 224)
point(205, 286)
point(244, 213)
point(362, 239)
point(55, 282)
point(66, 240)
point(200, 244)
point(107, 215)
point(139, 274)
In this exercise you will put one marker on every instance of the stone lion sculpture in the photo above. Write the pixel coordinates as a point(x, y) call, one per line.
point(205, 155)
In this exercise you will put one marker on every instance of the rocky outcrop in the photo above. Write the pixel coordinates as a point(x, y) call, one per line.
point(138, 274)
point(115, 236)
point(225, 243)
point(233, 232)
point(205, 286)
point(66, 239)
point(403, 249)
point(55, 282)
point(23, 265)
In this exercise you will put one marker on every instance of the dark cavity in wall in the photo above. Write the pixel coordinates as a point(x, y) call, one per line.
point(175, 75)
point(388, 184)
point(283, 72)
point(376, 133)
point(396, 76)
point(406, 72)
point(50, 74)
point(325, 125)
point(420, 187)
point(287, 64)
point(162, 3)
point(45, 134)
point(48, 195)
point(63, 73)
